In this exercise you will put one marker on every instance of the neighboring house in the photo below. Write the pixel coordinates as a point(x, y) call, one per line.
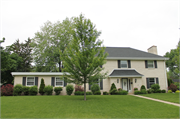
point(128, 68)
point(176, 80)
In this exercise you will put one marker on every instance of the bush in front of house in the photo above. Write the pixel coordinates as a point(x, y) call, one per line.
point(48, 90)
point(97, 92)
point(123, 92)
point(105, 93)
point(158, 91)
point(94, 88)
point(79, 88)
point(41, 88)
point(143, 91)
point(78, 93)
point(120, 89)
point(137, 92)
point(177, 84)
point(172, 87)
point(143, 87)
point(26, 90)
point(169, 91)
point(33, 90)
point(163, 91)
point(18, 89)
point(113, 91)
point(113, 86)
point(88, 93)
point(177, 91)
point(150, 91)
point(57, 90)
point(7, 90)
point(135, 89)
point(155, 87)
point(69, 89)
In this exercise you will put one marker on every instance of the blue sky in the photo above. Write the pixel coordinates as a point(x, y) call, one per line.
point(124, 23)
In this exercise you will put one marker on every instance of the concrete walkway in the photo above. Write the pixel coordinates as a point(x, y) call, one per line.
point(171, 103)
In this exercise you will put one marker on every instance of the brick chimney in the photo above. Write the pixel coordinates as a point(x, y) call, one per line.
point(153, 49)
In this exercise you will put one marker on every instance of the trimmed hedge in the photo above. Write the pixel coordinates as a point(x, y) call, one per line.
point(97, 93)
point(57, 90)
point(163, 91)
point(88, 93)
point(155, 87)
point(143, 87)
point(123, 92)
point(78, 93)
point(105, 93)
point(113, 91)
point(33, 90)
point(94, 88)
point(48, 90)
point(18, 89)
point(69, 89)
point(26, 90)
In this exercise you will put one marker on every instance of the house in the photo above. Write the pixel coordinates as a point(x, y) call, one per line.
point(128, 68)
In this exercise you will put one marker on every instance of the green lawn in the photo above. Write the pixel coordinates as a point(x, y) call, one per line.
point(171, 97)
point(96, 106)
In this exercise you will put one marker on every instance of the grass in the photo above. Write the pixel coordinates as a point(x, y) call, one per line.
point(96, 106)
point(171, 97)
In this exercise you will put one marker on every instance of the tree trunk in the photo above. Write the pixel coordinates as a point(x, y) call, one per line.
point(84, 91)
point(60, 66)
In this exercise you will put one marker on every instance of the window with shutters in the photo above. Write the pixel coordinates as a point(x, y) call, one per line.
point(124, 64)
point(150, 64)
point(152, 81)
point(30, 81)
point(59, 82)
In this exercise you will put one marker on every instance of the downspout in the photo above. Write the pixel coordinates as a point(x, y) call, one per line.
point(165, 76)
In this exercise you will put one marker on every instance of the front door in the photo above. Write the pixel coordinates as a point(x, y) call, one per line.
point(124, 84)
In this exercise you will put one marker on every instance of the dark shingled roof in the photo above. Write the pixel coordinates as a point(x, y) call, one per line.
point(125, 72)
point(129, 52)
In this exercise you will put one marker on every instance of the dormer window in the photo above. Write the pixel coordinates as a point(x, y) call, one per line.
point(124, 64)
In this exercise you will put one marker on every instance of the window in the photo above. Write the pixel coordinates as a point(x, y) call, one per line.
point(152, 81)
point(124, 64)
point(59, 82)
point(150, 64)
point(30, 81)
point(117, 80)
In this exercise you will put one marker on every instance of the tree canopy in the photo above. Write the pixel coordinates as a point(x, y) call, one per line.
point(173, 62)
point(85, 54)
point(52, 39)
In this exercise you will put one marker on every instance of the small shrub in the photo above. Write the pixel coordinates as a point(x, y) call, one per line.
point(26, 90)
point(158, 91)
point(7, 90)
point(33, 90)
point(69, 89)
point(150, 91)
point(17, 89)
point(113, 92)
point(143, 87)
point(41, 88)
point(78, 93)
point(94, 88)
point(57, 90)
point(97, 93)
point(113, 86)
point(123, 92)
point(79, 88)
point(163, 91)
point(48, 90)
point(169, 91)
point(135, 89)
point(137, 92)
point(177, 91)
point(88, 93)
point(172, 87)
point(143, 91)
point(105, 93)
point(119, 89)
point(155, 87)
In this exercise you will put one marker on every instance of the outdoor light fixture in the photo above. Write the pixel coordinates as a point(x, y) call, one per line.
point(135, 80)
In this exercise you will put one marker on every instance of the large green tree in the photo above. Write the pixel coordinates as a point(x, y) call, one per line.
point(173, 63)
point(52, 39)
point(83, 57)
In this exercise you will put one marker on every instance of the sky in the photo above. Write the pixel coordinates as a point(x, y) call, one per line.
point(138, 24)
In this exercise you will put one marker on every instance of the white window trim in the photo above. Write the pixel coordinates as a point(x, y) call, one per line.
point(127, 64)
point(27, 78)
point(59, 81)
point(151, 61)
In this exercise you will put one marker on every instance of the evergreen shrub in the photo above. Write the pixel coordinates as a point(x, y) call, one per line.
point(57, 90)
point(69, 89)
point(18, 88)
point(33, 90)
point(48, 90)
point(94, 88)
point(97, 93)
point(143, 87)
point(26, 90)
point(41, 88)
